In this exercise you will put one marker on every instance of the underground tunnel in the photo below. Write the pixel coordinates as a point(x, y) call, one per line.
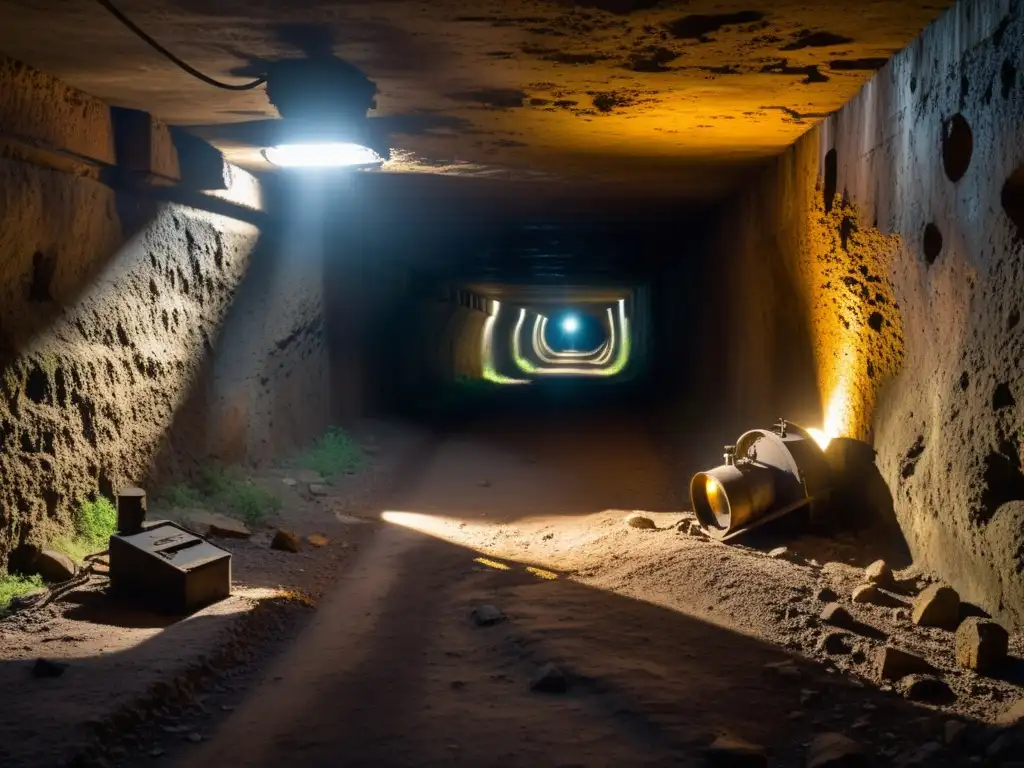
point(536, 383)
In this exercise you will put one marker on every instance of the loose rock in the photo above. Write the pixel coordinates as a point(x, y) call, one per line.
point(286, 541)
point(692, 528)
point(318, 489)
point(487, 615)
point(291, 482)
point(549, 679)
point(937, 606)
point(47, 668)
point(879, 573)
point(214, 524)
point(893, 664)
point(834, 750)
point(925, 689)
point(837, 616)
point(636, 520)
point(309, 477)
point(317, 540)
point(55, 567)
point(730, 752)
point(865, 593)
point(779, 553)
point(835, 644)
point(1013, 715)
point(981, 645)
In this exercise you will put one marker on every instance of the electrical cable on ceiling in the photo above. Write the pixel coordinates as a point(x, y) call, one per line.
point(116, 13)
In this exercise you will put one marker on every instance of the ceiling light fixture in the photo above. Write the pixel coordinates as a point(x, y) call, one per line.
point(323, 155)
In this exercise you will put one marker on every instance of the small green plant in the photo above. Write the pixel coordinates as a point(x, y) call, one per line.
point(13, 585)
point(222, 490)
point(95, 523)
point(252, 502)
point(334, 454)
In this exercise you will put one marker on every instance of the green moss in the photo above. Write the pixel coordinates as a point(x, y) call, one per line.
point(334, 454)
point(95, 523)
point(13, 585)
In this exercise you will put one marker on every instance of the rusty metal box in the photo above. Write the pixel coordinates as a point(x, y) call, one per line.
point(169, 568)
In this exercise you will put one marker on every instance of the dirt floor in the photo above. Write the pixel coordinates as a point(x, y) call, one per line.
point(126, 666)
point(664, 641)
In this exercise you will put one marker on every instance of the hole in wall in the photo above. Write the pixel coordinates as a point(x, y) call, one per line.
point(965, 88)
point(1002, 397)
point(931, 243)
point(1013, 200)
point(1004, 480)
point(1008, 78)
point(957, 147)
point(43, 269)
point(913, 85)
point(37, 386)
point(910, 459)
point(1013, 320)
point(965, 381)
point(831, 178)
point(876, 321)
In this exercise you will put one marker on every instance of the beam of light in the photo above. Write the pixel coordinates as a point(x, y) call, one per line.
point(571, 324)
point(614, 368)
point(490, 373)
point(820, 437)
point(600, 354)
point(326, 155)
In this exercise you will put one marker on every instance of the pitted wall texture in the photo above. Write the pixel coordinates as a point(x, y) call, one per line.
point(878, 265)
point(116, 360)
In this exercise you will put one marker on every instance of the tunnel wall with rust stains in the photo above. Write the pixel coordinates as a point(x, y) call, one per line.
point(874, 279)
point(128, 351)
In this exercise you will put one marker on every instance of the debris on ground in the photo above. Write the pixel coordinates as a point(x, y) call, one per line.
point(981, 645)
point(643, 522)
point(880, 574)
point(487, 615)
point(837, 616)
point(214, 524)
point(893, 664)
point(318, 489)
point(834, 750)
point(286, 541)
point(937, 606)
point(549, 679)
point(317, 540)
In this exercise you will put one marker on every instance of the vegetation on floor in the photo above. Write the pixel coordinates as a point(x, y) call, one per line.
point(224, 490)
point(336, 453)
point(13, 585)
point(95, 523)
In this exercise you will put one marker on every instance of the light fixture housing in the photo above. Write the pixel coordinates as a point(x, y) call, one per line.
point(323, 103)
point(767, 474)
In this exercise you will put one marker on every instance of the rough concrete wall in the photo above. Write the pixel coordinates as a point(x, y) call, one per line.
point(905, 288)
point(108, 303)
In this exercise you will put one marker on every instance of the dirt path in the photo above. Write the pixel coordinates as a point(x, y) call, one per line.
point(393, 672)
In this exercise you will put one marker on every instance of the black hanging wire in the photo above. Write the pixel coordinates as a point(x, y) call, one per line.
point(117, 14)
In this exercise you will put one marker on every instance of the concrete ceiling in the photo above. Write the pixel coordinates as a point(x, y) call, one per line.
point(675, 98)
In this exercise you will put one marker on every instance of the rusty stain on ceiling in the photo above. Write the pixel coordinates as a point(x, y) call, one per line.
point(677, 97)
